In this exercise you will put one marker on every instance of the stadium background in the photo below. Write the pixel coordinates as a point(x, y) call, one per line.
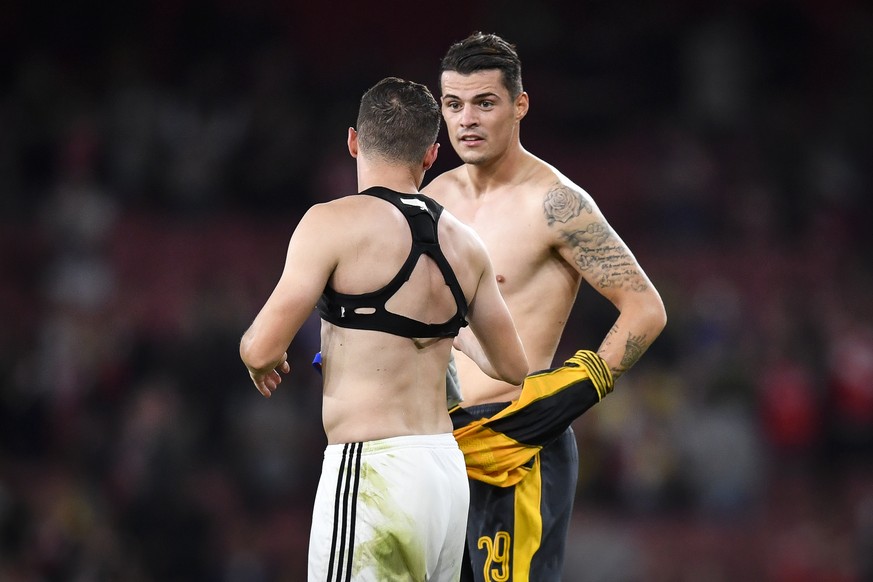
point(155, 157)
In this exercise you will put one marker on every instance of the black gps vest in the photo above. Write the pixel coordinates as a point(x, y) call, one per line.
point(367, 311)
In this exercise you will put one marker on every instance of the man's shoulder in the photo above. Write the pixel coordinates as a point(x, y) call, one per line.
point(340, 205)
point(450, 179)
point(335, 216)
point(535, 178)
point(551, 177)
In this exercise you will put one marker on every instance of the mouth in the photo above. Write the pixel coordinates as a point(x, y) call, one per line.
point(469, 139)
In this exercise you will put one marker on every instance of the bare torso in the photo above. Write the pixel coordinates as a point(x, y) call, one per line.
point(538, 284)
point(378, 385)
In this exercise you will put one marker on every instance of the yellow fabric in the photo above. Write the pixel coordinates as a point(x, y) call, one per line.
point(597, 369)
point(493, 457)
point(528, 523)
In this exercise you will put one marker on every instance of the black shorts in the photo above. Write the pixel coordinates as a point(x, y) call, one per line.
point(522, 461)
point(519, 533)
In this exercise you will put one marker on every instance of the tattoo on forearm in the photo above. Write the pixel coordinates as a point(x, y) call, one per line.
point(604, 345)
point(562, 204)
point(603, 258)
point(633, 350)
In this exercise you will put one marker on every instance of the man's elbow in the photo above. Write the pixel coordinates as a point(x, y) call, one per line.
point(517, 379)
point(516, 371)
point(656, 315)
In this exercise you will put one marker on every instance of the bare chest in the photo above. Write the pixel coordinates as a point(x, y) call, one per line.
point(515, 237)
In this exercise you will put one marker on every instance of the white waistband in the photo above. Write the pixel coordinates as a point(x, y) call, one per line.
point(430, 441)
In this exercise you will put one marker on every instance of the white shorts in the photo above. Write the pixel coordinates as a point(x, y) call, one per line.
point(390, 510)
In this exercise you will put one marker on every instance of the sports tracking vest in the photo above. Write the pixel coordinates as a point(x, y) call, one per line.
point(367, 311)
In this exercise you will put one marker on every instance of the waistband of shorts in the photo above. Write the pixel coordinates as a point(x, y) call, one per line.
point(487, 409)
point(425, 441)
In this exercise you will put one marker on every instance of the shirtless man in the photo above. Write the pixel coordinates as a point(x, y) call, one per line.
point(545, 236)
point(394, 279)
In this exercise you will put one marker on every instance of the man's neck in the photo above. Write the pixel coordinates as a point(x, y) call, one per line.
point(500, 172)
point(399, 179)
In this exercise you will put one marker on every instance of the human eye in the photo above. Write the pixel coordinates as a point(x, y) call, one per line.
point(486, 104)
point(452, 105)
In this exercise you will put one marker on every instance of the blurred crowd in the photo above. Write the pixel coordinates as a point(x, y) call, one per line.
point(155, 157)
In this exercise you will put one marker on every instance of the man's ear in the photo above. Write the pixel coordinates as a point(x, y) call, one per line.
point(431, 156)
point(353, 142)
point(522, 103)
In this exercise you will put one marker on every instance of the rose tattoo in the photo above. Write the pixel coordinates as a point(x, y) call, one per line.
point(561, 204)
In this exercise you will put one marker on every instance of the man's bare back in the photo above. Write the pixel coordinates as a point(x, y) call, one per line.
point(394, 279)
point(379, 384)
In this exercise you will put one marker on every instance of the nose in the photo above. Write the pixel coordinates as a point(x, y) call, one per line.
point(469, 117)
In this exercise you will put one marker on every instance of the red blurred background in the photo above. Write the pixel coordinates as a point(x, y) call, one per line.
point(155, 157)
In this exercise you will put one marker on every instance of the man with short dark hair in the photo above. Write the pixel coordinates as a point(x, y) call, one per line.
point(545, 235)
point(394, 279)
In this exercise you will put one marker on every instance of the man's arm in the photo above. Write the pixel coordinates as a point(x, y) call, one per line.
point(498, 351)
point(308, 265)
point(586, 240)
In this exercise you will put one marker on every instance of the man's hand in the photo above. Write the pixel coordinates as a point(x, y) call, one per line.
point(267, 382)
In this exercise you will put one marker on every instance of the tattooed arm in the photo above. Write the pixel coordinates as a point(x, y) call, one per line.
point(633, 349)
point(586, 240)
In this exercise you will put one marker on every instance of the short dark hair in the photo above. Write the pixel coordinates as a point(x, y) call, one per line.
point(398, 120)
point(485, 52)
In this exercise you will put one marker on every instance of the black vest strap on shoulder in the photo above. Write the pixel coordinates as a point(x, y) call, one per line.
point(367, 310)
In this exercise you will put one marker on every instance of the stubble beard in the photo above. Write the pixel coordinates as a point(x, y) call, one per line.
point(474, 158)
